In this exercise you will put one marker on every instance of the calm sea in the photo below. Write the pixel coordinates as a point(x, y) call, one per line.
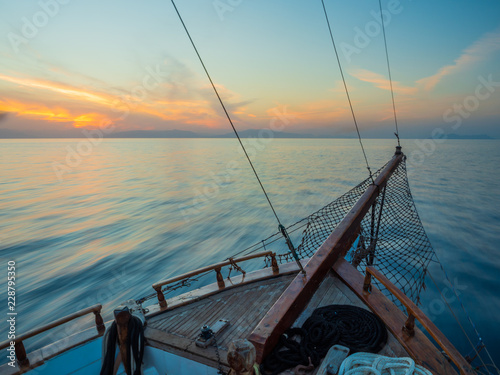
point(101, 223)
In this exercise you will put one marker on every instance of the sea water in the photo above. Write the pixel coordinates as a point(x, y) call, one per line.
point(89, 223)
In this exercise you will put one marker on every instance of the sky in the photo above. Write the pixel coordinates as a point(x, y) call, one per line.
point(68, 67)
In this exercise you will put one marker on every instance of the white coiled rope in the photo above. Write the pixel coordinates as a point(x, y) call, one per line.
point(374, 364)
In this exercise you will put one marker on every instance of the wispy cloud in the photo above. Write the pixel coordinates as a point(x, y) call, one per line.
point(382, 82)
point(65, 90)
point(477, 52)
point(84, 107)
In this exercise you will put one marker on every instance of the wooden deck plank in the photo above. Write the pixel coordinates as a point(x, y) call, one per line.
point(221, 310)
point(197, 310)
point(246, 321)
point(320, 294)
point(176, 315)
point(240, 312)
point(330, 291)
point(192, 328)
point(250, 309)
point(349, 294)
point(337, 299)
point(187, 321)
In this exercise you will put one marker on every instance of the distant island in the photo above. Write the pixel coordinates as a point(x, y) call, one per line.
point(249, 133)
point(470, 136)
point(13, 134)
point(6, 133)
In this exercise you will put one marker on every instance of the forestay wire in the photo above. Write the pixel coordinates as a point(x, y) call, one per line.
point(389, 71)
point(281, 227)
point(346, 90)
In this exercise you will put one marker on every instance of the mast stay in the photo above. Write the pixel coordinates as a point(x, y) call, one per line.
point(281, 227)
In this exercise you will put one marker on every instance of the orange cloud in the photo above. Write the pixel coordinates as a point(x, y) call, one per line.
point(52, 114)
point(90, 120)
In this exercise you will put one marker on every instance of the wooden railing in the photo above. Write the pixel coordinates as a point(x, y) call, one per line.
point(21, 356)
point(214, 267)
point(415, 313)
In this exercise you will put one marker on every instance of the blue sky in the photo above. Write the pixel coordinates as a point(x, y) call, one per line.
point(72, 65)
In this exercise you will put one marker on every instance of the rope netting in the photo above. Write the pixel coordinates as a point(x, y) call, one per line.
point(402, 251)
point(392, 237)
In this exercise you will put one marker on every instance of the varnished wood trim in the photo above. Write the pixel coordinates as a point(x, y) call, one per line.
point(210, 268)
point(233, 282)
point(293, 300)
point(418, 346)
point(415, 312)
point(96, 309)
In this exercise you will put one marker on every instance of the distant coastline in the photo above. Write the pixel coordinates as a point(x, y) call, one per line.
point(249, 133)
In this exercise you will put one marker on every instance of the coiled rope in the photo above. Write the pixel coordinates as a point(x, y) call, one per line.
point(135, 347)
point(350, 326)
point(374, 364)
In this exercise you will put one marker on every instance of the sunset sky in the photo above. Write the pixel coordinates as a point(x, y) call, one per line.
point(67, 66)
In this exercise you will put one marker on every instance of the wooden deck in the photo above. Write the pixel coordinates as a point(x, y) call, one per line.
point(176, 330)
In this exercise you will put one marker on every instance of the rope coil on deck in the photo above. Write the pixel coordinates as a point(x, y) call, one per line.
point(374, 364)
point(350, 326)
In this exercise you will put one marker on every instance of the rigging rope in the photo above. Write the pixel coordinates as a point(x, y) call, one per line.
point(281, 227)
point(346, 90)
point(389, 71)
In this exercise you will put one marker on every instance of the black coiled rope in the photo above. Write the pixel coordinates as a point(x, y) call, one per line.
point(350, 326)
point(135, 347)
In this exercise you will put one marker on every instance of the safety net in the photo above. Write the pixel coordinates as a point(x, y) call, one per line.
point(392, 238)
